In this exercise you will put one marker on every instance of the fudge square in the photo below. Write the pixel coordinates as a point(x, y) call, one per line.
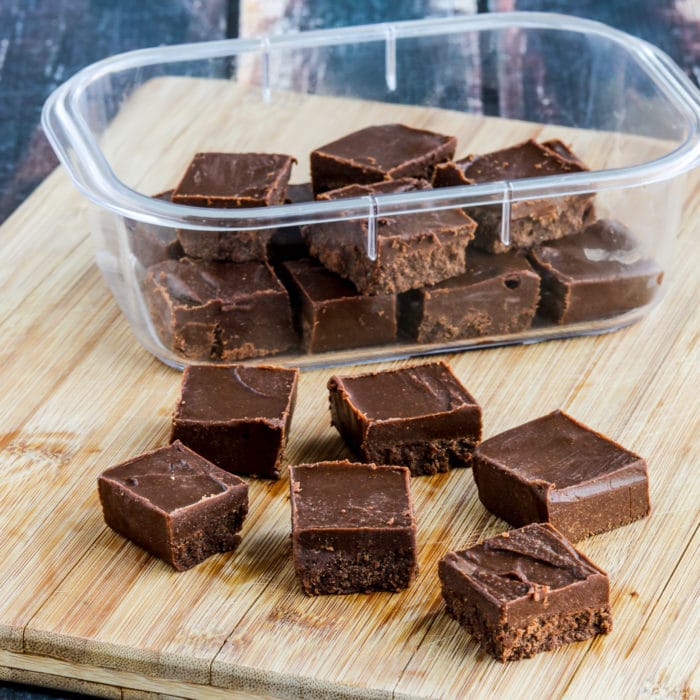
point(353, 529)
point(330, 312)
point(497, 294)
point(531, 220)
point(420, 417)
point(413, 250)
point(236, 416)
point(231, 181)
point(174, 504)
point(384, 152)
point(596, 273)
point(555, 469)
point(215, 310)
point(525, 591)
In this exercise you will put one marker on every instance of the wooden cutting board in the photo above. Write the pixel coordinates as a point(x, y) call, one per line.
point(83, 609)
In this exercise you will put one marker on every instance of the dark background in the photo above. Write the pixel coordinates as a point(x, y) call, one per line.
point(43, 42)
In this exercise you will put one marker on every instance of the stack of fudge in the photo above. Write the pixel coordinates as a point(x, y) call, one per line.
point(353, 524)
point(439, 275)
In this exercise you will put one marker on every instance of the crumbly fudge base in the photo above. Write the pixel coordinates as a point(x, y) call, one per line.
point(542, 633)
point(232, 246)
point(219, 536)
point(538, 220)
point(324, 572)
point(425, 326)
point(423, 457)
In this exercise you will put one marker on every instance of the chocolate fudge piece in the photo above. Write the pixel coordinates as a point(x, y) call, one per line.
point(236, 416)
point(497, 295)
point(353, 529)
point(413, 250)
point(524, 592)
point(531, 221)
point(152, 244)
point(217, 310)
point(231, 181)
point(174, 504)
point(597, 273)
point(421, 417)
point(332, 315)
point(555, 469)
point(385, 152)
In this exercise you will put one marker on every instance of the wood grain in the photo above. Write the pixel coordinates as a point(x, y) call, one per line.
point(77, 601)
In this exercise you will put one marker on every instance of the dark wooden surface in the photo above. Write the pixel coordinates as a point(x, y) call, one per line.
point(42, 43)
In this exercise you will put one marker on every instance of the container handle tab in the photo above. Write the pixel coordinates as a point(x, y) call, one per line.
point(372, 227)
point(390, 58)
point(504, 234)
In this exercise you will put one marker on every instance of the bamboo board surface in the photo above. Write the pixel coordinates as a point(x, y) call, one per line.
point(82, 608)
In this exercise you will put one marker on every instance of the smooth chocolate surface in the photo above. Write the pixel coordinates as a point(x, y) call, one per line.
point(232, 180)
point(413, 250)
point(404, 184)
point(531, 221)
point(598, 273)
point(174, 504)
point(332, 315)
point(384, 152)
point(498, 294)
point(217, 310)
point(236, 416)
point(353, 529)
point(525, 591)
point(555, 469)
point(421, 417)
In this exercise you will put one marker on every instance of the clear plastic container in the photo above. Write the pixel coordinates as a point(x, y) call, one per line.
point(126, 128)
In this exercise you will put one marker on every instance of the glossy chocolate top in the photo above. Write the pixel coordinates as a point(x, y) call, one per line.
point(317, 282)
point(557, 450)
point(235, 179)
point(349, 495)
point(531, 562)
point(219, 393)
point(605, 248)
point(402, 184)
point(408, 392)
point(527, 159)
point(196, 282)
point(172, 478)
point(388, 146)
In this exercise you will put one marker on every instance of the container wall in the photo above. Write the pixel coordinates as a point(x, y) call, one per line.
point(389, 285)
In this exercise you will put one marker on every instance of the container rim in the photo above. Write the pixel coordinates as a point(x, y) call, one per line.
point(87, 166)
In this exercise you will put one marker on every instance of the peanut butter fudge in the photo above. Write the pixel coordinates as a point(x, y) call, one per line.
point(384, 152)
point(524, 592)
point(531, 221)
point(421, 417)
point(332, 315)
point(497, 295)
point(413, 250)
point(232, 181)
point(236, 416)
point(218, 310)
point(555, 469)
point(597, 273)
point(353, 529)
point(175, 504)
